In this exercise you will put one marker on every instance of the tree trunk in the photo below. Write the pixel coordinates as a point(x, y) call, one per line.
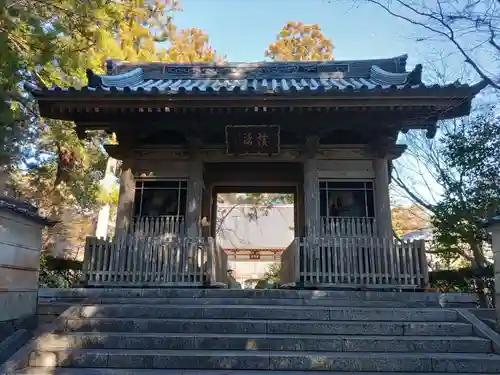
point(479, 265)
point(481, 291)
point(55, 215)
point(4, 179)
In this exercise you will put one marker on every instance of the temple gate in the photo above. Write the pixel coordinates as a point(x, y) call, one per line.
point(324, 131)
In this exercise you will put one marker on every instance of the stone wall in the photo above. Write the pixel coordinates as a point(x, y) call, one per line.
point(20, 243)
point(496, 259)
point(494, 227)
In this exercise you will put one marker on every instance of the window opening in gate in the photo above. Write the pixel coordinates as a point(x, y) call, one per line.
point(160, 206)
point(347, 208)
point(346, 199)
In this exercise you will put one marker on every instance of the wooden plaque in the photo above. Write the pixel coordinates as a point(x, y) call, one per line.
point(252, 139)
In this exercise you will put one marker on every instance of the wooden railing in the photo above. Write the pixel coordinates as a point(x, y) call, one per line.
point(138, 260)
point(161, 225)
point(359, 262)
point(348, 226)
point(217, 264)
point(290, 264)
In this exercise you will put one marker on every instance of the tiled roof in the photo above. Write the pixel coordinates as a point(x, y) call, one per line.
point(136, 80)
point(492, 221)
point(262, 78)
point(24, 209)
point(266, 77)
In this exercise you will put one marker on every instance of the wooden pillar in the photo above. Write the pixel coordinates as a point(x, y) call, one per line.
point(194, 190)
point(106, 183)
point(206, 211)
point(311, 189)
point(125, 209)
point(382, 200)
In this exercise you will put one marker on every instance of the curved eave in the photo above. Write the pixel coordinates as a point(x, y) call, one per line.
point(492, 222)
point(283, 81)
point(25, 210)
point(113, 151)
point(452, 91)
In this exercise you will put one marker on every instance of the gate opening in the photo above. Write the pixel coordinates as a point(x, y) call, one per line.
point(254, 229)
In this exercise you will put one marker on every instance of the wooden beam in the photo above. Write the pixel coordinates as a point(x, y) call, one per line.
point(311, 145)
point(194, 145)
point(258, 103)
point(295, 117)
point(382, 142)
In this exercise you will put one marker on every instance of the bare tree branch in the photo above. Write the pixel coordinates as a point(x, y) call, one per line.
point(452, 20)
point(411, 193)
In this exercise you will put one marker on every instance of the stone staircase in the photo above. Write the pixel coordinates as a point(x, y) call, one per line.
point(183, 331)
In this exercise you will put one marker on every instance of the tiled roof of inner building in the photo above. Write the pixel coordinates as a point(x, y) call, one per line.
point(250, 78)
point(25, 209)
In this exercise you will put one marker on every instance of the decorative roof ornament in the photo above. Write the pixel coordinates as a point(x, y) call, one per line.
point(263, 77)
point(264, 69)
point(93, 80)
point(415, 76)
point(110, 67)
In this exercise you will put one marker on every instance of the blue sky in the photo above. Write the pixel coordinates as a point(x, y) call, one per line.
point(242, 29)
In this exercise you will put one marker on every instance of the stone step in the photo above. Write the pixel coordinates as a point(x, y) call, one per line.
point(57, 307)
point(492, 323)
point(431, 298)
point(484, 313)
point(265, 326)
point(53, 308)
point(343, 302)
point(256, 360)
point(196, 341)
point(63, 299)
point(257, 312)
point(13, 342)
point(114, 371)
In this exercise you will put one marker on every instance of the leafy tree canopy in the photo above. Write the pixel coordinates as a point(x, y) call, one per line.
point(300, 42)
point(53, 42)
point(409, 219)
point(472, 192)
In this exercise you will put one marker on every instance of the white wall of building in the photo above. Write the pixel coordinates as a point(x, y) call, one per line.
point(245, 270)
point(272, 228)
point(20, 244)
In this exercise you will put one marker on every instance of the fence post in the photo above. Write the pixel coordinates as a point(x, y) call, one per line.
point(90, 243)
point(210, 261)
point(296, 260)
point(493, 225)
point(424, 266)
